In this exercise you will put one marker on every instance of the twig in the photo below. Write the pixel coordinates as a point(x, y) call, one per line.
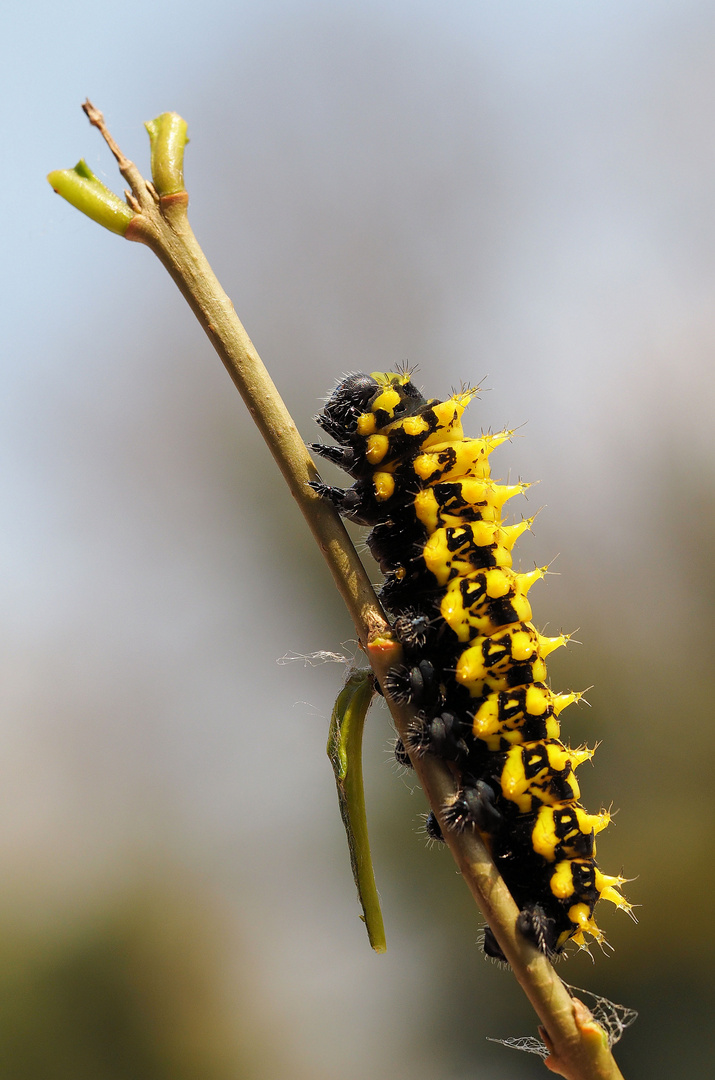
point(579, 1048)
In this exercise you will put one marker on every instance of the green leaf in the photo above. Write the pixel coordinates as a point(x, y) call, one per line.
point(345, 753)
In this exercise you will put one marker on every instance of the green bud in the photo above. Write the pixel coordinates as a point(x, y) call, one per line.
point(167, 136)
point(81, 188)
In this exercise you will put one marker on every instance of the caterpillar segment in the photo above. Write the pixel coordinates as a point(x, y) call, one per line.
point(475, 665)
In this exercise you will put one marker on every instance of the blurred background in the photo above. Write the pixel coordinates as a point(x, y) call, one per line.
point(516, 193)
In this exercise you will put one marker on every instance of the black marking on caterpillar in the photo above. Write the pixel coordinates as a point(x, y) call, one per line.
point(432, 829)
point(474, 663)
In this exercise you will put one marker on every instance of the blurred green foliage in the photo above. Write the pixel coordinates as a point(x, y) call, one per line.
point(132, 992)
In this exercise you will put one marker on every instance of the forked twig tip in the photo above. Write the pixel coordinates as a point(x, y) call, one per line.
point(96, 119)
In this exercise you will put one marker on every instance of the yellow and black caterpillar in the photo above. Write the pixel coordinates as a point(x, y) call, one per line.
point(474, 664)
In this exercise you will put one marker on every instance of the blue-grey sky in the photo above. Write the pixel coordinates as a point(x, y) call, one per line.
point(520, 192)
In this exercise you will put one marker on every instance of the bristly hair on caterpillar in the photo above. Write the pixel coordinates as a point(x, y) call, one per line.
point(474, 664)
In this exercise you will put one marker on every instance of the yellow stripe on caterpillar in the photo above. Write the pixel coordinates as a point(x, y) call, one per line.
point(490, 659)
point(456, 551)
point(451, 504)
point(540, 772)
point(567, 829)
point(485, 600)
point(455, 460)
point(519, 715)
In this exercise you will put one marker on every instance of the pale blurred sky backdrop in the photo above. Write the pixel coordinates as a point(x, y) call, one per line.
point(516, 192)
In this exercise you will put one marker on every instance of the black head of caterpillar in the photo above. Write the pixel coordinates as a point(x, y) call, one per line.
point(475, 665)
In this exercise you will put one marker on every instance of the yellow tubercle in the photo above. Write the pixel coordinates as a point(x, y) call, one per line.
point(543, 836)
point(366, 424)
point(496, 438)
point(578, 756)
point(562, 701)
point(513, 532)
point(538, 699)
point(426, 465)
point(538, 669)
point(427, 509)
point(462, 398)
point(377, 448)
point(608, 890)
point(581, 917)
point(600, 821)
point(523, 646)
point(559, 757)
point(387, 401)
point(391, 378)
point(449, 423)
point(486, 532)
point(526, 580)
point(513, 781)
point(547, 645)
point(486, 719)
point(503, 492)
point(384, 485)
point(415, 425)
point(499, 582)
point(475, 490)
point(562, 884)
point(471, 668)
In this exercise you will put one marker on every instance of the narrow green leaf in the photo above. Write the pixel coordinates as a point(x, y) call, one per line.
point(345, 753)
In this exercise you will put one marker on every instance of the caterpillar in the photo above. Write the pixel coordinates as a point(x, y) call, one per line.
point(474, 665)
